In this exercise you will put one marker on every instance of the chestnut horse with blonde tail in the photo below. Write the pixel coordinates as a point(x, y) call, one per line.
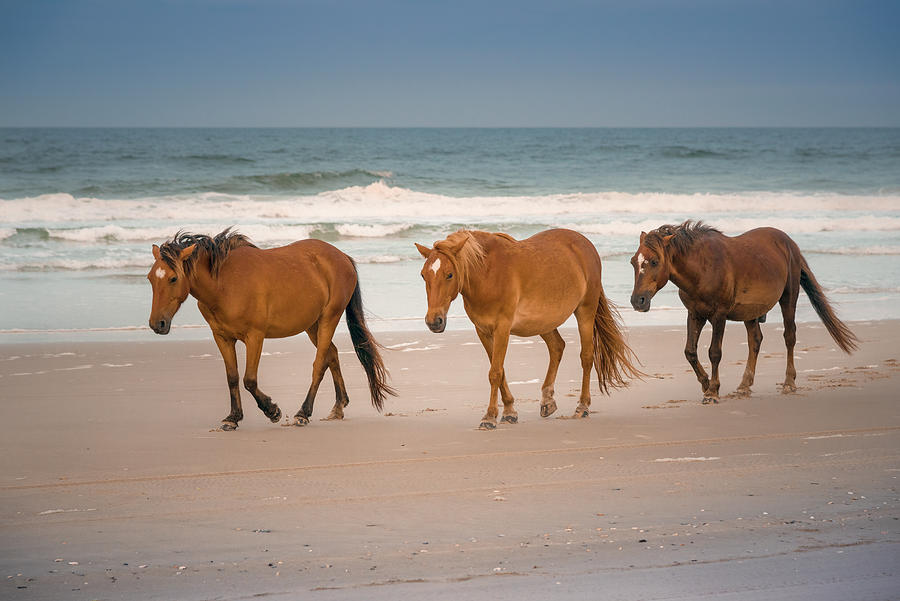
point(249, 294)
point(528, 288)
point(722, 278)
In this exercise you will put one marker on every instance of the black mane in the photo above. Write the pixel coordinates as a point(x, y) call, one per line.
point(217, 248)
point(683, 236)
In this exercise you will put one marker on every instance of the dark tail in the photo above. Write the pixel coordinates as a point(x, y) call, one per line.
point(842, 335)
point(613, 359)
point(367, 351)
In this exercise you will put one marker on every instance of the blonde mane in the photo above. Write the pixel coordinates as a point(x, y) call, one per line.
point(465, 251)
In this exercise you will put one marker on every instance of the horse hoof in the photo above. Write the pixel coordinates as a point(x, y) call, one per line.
point(276, 417)
point(486, 425)
point(548, 409)
point(510, 419)
point(298, 420)
point(228, 426)
point(581, 412)
point(709, 400)
point(788, 389)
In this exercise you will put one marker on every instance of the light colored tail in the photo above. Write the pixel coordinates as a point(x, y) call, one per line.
point(613, 359)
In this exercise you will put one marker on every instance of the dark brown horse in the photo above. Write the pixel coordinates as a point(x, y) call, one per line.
point(722, 278)
point(528, 288)
point(249, 294)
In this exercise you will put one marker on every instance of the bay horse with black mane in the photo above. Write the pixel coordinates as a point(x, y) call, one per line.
point(246, 293)
point(528, 288)
point(739, 278)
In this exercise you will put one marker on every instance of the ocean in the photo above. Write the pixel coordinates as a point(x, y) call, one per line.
point(80, 208)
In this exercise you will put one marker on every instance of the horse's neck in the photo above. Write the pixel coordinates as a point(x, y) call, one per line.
point(477, 276)
point(685, 271)
point(203, 285)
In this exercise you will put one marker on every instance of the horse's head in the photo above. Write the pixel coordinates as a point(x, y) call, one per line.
point(170, 286)
point(442, 281)
point(651, 268)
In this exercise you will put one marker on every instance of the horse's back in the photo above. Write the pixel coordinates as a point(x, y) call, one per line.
point(288, 287)
point(766, 235)
point(555, 271)
point(304, 258)
point(768, 246)
point(561, 245)
point(763, 266)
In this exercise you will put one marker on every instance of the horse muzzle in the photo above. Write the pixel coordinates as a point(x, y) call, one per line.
point(641, 301)
point(161, 326)
point(436, 324)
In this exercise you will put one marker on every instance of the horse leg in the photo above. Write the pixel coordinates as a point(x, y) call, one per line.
point(320, 363)
point(584, 315)
point(715, 356)
point(254, 344)
point(226, 349)
point(341, 399)
point(754, 341)
point(555, 346)
point(694, 327)
point(500, 341)
point(788, 304)
point(510, 415)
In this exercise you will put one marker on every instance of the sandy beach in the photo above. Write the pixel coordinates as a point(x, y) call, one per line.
point(113, 485)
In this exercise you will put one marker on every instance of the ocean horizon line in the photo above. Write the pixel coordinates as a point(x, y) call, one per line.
point(458, 127)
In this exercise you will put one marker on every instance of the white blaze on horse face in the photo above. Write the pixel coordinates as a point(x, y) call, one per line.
point(160, 272)
point(640, 261)
point(436, 265)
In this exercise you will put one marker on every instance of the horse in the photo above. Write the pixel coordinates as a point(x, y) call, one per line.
point(246, 293)
point(528, 288)
point(721, 278)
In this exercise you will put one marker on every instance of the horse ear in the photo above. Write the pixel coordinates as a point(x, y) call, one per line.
point(156, 254)
point(186, 252)
point(423, 250)
point(457, 246)
point(643, 235)
point(667, 239)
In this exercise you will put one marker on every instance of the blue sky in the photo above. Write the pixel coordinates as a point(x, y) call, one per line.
point(449, 63)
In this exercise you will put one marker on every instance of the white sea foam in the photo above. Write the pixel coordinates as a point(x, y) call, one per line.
point(108, 263)
point(402, 345)
point(382, 201)
point(863, 290)
point(374, 230)
point(732, 225)
point(862, 250)
point(266, 234)
point(380, 259)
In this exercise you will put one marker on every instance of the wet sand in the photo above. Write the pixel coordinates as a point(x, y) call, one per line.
point(114, 487)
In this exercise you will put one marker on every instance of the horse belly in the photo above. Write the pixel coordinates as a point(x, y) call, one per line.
point(547, 299)
point(536, 321)
point(288, 309)
point(289, 320)
point(754, 302)
point(747, 312)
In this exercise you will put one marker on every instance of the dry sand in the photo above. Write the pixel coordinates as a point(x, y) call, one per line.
point(114, 487)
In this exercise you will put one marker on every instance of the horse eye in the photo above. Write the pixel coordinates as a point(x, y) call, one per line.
point(173, 279)
point(653, 262)
point(449, 276)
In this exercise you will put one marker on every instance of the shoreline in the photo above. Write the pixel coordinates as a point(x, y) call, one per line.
point(113, 485)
